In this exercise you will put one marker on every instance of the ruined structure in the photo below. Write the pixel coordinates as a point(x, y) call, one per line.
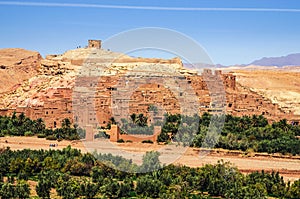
point(94, 44)
point(115, 135)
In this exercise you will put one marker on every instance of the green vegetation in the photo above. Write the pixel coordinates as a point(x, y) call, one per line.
point(23, 126)
point(239, 133)
point(147, 141)
point(74, 174)
point(120, 141)
point(138, 124)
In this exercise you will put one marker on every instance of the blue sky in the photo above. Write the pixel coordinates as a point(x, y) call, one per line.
point(229, 36)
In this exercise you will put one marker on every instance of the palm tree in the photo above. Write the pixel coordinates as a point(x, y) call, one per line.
point(133, 118)
point(112, 120)
point(66, 123)
point(141, 120)
point(39, 126)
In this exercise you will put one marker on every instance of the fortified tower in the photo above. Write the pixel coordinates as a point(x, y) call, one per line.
point(94, 44)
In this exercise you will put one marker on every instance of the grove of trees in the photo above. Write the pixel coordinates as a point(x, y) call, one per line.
point(23, 126)
point(247, 133)
point(238, 133)
point(73, 174)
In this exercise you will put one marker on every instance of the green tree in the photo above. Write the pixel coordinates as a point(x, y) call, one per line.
point(111, 188)
point(133, 118)
point(7, 191)
point(125, 189)
point(43, 189)
point(149, 187)
point(22, 190)
point(89, 189)
point(68, 189)
point(141, 120)
point(294, 191)
point(150, 162)
point(39, 126)
point(66, 123)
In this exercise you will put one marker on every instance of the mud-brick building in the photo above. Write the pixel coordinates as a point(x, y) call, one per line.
point(121, 91)
point(53, 110)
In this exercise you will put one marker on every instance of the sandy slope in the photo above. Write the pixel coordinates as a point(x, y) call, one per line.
point(16, 66)
point(280, 86)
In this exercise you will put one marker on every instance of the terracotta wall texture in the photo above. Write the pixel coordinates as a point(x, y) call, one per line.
point(116, 96)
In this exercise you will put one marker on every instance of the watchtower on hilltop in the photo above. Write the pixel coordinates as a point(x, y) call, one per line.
point(94, 44)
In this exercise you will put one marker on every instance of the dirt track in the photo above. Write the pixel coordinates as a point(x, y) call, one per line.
point(289, 167)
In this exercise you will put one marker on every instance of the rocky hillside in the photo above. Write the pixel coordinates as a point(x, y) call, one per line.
point(27, 80)
point(17, 66)
point(35, 78)
point(280, 86)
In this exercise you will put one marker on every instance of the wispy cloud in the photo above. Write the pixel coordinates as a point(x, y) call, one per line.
point(82, 5)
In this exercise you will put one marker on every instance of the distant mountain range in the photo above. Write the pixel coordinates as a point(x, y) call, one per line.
point(276, 62)
point(289, 60)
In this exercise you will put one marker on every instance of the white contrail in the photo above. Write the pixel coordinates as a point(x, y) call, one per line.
point(45, 4)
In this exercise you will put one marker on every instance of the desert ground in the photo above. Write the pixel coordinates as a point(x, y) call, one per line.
point(288, 166)
point(281, 86)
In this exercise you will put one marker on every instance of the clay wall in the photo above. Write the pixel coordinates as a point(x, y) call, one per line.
point(54, 110)
point(236, 100)
point(113, 95)
point(115, 135)
point(94, 44)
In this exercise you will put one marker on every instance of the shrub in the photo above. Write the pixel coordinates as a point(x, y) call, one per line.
point(4, 132)
point(147, 141)
point(101, 134)
point(41, 135)
point(120, 141)
point(28, 133)
point(73, 137)
point(51, 137)
point(130, 141)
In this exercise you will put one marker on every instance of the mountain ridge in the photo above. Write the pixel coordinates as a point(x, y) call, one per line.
point(288, 60)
